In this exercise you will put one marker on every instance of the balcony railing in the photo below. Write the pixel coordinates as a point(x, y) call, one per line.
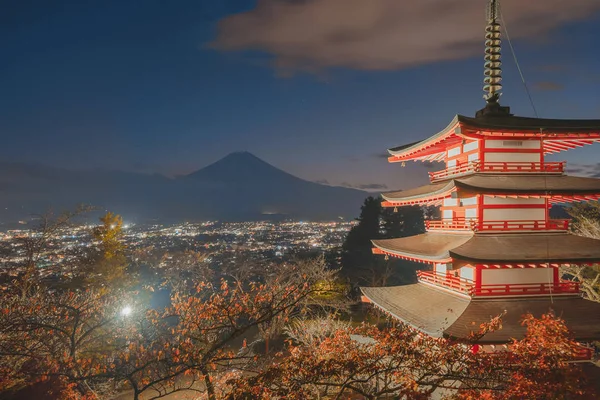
point(468, 287)
point(497, 226)
point(525, 289)
point(524, 225)
point(456, 284)
point(452, 224)
point(499, 167)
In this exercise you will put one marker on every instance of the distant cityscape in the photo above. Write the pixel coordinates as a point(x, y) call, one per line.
point(219, 241)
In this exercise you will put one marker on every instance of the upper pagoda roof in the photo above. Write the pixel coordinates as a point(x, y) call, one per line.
point(575, 132)
point(561, 187)
point(492, 249)
point(441, 313)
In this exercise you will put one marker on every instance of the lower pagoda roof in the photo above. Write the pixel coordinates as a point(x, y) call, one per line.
point(439, 313)
point(433, 247)
point(559, 186)
point(425, 308)
point(486, 248)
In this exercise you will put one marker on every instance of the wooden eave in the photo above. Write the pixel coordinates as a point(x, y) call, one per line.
point(526, 248)
point(557, 135)
point(556, 188)
point(431, 149)
point(440, 313)
point(428, 247)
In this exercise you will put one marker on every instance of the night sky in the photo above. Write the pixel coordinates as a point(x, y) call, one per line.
point(319, 88)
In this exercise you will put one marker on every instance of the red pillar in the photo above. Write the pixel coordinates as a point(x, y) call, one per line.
point(478, 269)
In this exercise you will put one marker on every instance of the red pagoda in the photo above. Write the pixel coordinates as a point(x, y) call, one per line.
point(495, 249)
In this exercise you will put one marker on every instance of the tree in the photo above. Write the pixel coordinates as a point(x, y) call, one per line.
point(30, 252)
point(107, 263)
point(69, 338)
point(585, 222)
point(370, 363)
point(359, 263)
point(86, 340)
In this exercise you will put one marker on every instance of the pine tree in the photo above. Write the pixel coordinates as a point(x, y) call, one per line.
point(357, 257)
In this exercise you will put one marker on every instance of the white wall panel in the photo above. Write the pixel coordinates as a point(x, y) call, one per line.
point(467, 273)
point(473, 157)
point(454, 151)
point(450, 202)
point(512, 144)
point(470, 146)
point(499, 200)
point(514, 214)
point(469, 201)
point(440, 269)
point(516, 275)
point(470, 213)
point(511, 157)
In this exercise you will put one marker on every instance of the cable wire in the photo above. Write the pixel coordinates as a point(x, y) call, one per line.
point(512, 50)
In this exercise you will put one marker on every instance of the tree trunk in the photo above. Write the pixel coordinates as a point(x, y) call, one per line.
point(210, 389)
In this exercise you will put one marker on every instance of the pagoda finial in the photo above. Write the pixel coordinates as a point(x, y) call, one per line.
point(492, 83)
point(493, 64)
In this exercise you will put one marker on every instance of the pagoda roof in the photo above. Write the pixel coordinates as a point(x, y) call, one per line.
point(528, 247)
point(581, 316)
point(441, 313)
point(425, 308)
point(562, 187)
point(577, 132)
point(492, 249)
point(431, 247)
point(540, 126)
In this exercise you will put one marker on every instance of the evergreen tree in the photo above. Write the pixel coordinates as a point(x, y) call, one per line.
point(403, 221)
point(360, 265)
point(357, 255)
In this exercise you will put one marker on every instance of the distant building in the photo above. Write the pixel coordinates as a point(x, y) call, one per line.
point(495, 249)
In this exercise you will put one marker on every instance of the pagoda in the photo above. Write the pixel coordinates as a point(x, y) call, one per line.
point(495, 249)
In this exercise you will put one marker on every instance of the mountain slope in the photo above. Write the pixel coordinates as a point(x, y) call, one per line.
point(240, 186)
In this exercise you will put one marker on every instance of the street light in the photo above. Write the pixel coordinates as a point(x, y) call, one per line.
point(126, 311)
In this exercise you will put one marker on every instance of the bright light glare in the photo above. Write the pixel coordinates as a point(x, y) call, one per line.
point(126, 311)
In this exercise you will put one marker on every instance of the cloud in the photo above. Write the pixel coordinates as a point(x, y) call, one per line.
point(366, 186)
point(552, 68)
point(311, 35)
point(381, 155)
point(548, 86)
point(322, 181)
point(591, 170)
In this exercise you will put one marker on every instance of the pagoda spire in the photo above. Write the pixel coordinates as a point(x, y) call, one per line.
point(492, 82)
point(493, 64)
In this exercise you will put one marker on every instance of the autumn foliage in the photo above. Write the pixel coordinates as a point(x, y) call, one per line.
point(101, 340)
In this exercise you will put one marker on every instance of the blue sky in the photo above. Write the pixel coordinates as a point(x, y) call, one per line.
point(318, 90)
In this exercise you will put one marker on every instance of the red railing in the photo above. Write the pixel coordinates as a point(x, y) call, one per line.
point(583, 353)
point(450, 282)
point(500, 167)
point(550, 225)
point(457, 224)
point(452, 171)
point(523, 289)
point(494, 226)
point(468, 287)
point(548, 167)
